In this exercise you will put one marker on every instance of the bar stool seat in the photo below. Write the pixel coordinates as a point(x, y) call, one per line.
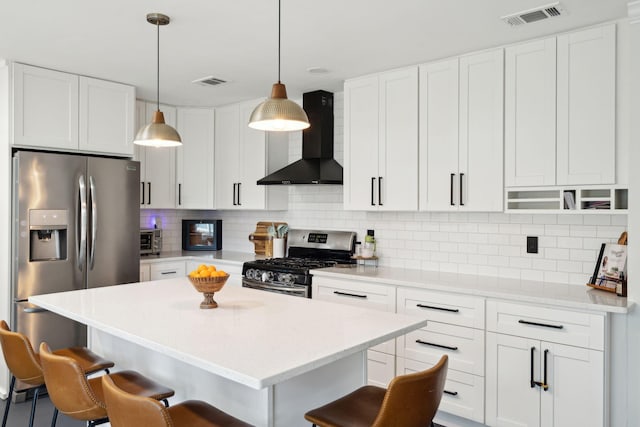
point(410, 401)
point(24, 364)
point(129, 410)
point(83, 399)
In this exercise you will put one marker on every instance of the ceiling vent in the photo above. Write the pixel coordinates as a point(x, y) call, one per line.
point(532, 15)
point(209, 81)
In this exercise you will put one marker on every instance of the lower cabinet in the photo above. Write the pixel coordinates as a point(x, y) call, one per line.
point(167, 270)
point(532, 379)
point(145, 272)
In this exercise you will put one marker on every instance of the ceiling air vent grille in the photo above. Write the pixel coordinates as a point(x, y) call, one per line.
point(209, 81)
point(533, 15)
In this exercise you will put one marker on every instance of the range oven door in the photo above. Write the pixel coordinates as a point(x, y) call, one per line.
point(296, 290)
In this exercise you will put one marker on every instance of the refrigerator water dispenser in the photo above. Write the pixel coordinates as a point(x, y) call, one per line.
point(48, 235)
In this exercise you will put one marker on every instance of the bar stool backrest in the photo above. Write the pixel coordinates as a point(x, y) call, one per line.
point(68, 387)
point(21, 360)
point(128, 410)
point(412, 400)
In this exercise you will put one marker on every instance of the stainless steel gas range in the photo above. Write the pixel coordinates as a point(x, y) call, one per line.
point(308, 249)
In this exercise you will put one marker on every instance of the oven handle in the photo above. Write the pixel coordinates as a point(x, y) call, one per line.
point(262, 285)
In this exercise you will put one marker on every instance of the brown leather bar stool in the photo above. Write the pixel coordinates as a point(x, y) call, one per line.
point(128, 410)
point(78, 397)
point(24, 364)
point(410, 401)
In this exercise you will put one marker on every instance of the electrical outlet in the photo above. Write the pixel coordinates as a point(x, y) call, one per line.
point(532, 244)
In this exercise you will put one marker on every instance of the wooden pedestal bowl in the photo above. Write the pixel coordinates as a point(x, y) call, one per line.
point(208, 286)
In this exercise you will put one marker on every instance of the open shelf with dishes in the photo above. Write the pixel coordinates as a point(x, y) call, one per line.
point(597, 199)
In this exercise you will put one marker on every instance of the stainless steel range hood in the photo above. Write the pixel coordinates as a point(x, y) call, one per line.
point(317, 165)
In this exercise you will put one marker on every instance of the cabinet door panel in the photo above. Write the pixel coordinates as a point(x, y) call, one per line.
point(511, 401)
point(45, 108)
point(438, 135)
point(361, 100)
point(160, 166)
point(586, 106)
point(381, 368)
point(226, 156)
point(576, 387)
point(398, 144)
point(481, 131)
point(530, 114)
point(252, 161)
point(107, 114)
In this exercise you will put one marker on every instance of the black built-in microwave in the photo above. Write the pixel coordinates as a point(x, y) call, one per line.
point(201, 234)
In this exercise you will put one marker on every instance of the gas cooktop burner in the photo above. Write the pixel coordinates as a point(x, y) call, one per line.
point(296, 263)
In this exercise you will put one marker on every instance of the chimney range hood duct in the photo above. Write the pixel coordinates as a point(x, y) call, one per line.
point(317, 165)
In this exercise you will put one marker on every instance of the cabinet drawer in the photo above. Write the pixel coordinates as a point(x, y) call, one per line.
point(464, 346)
point(461, 310)
point(561, 326)
point(361, 294)
point(167, 270)
point(464, 393)
point(381, 368)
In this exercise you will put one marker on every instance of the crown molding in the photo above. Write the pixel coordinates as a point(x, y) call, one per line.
point(633, 8)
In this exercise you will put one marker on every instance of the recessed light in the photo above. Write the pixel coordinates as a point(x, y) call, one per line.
point(317, 70)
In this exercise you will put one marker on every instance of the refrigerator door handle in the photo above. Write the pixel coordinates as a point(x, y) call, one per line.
point(94, 220)
point(35, 310)
point(82, 238)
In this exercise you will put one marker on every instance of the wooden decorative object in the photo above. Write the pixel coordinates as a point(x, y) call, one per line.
point(208, 286)
point(261, 238)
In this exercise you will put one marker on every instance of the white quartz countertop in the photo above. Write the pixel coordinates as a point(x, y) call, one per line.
point(552, 294)
point(255, 338)
point(229, 257)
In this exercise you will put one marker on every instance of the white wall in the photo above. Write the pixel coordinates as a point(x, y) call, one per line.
point(491, 244)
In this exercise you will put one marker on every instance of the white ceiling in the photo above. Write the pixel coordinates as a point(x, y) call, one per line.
point(236, 40)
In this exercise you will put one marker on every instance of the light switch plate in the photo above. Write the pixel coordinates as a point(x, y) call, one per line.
point(532, 244)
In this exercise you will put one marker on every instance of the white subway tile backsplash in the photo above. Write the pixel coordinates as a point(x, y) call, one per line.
point(570, 219)
point(570, 242)
point(556, 253)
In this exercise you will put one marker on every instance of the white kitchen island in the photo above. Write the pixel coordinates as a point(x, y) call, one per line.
point(265, 358)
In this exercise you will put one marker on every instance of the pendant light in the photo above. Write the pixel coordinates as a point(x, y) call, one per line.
point(158, 133)
point(278, 113)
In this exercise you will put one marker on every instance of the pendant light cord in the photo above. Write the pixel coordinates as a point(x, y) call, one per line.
point(279, 19)
point(158, 65)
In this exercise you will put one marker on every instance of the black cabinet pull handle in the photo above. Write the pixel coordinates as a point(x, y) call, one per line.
point(451, 393)
point(142, 184)
point(432, 307)
point(239, 204)
point(179, 194)
point(545, 385)
point(526, 322)
point(451, 189)
point(531, 381)
point(373, 181)
point(346, 294)
point(461, 199)
point(437, 345)
point(379, 191)
point(149, 199)
point(234, 194)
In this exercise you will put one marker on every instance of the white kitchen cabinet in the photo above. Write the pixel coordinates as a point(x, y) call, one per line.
point(45, 108)
point(461, 133)
point(194, 165)
point(63, 111)
point(530, 113)
point(157, 165)
point(107, 116)
point(380, 358)
point(145, 272)
point(587, 106)
point(545, 367)
point(560, 96)
point(381, 141)
point(243, 156)
point(168, 270)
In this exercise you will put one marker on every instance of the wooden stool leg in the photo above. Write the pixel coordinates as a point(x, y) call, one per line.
point(10, 395)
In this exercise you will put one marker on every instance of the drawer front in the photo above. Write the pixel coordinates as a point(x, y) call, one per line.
point(361, 294)
point(461, 310)
point(464, 346)
point(464, 393)
point(381, 368)
point(547, 324)
point(167, 270)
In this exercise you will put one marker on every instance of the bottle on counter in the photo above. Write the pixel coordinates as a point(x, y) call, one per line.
point(369, 249)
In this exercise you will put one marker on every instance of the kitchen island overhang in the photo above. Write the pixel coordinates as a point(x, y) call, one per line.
point(271, 344)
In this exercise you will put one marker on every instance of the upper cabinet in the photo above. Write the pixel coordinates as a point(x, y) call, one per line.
point(461, 133)
point(56, 110)
point(243, 156)
point(381, 141)
point(194, 163)
point(560, 101)
point(157, 165)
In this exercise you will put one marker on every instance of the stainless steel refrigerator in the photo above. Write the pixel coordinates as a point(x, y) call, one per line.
point(75, 226)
